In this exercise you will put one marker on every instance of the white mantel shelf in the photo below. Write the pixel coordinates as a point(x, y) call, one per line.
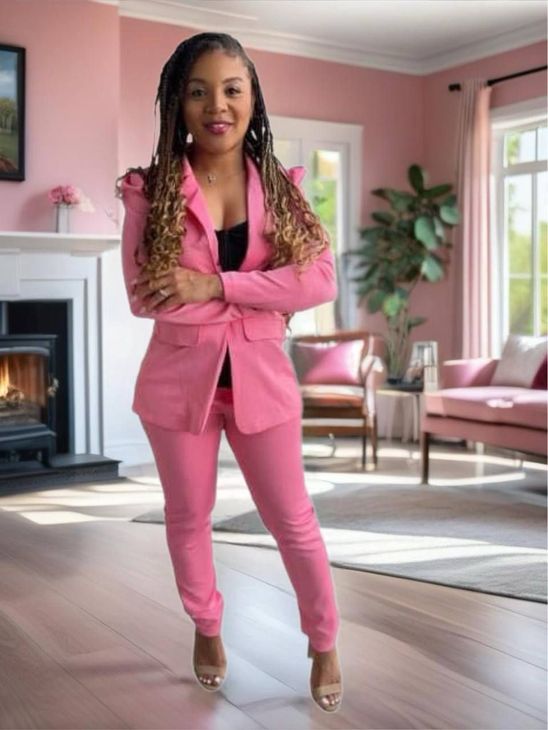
point(78, 244)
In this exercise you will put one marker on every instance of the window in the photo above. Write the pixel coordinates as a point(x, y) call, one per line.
point(520, 224)
point(326, 192)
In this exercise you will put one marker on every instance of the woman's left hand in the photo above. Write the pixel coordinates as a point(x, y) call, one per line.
point(177, 286)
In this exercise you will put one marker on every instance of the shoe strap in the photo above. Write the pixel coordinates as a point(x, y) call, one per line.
point(327, 689)
point(209, 669)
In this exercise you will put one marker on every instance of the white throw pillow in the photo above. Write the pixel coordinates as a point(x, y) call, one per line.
point(521, 358)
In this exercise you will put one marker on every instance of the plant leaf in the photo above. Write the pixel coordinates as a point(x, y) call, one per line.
point(425, 232)
point(372, 233)
point(382, 216)
point(392, 305)
point(374, 303)
point(437, 190)
point(438, 227)
point(400, 200)
point(370, 272)
point(449, 214)
point(432, 269)
point(416, 321)
point(415, 175)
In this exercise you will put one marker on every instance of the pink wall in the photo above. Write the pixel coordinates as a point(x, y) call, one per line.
point(91, 85)
point(72, 106)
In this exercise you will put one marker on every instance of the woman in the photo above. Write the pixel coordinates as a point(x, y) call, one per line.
point(220, 247)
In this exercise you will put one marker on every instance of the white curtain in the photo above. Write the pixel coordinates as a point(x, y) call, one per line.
point(472, 249)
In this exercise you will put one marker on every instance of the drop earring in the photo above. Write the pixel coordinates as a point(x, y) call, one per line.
point(180, 137)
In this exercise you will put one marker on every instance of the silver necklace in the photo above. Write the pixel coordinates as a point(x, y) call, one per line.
point(212, 177)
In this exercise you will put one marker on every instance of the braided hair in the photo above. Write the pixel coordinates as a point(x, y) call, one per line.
point(297, 235)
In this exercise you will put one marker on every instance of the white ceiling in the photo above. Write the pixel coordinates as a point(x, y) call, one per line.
point(412, 36)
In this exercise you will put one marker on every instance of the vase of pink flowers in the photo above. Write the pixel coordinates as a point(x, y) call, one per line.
point(65, 198)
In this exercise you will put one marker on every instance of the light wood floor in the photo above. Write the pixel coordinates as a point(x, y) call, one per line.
point(93, 635)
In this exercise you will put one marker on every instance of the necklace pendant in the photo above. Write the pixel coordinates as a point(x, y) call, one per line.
point(211, 177)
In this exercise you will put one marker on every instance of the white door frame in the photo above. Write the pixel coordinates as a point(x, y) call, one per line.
point(310, 134)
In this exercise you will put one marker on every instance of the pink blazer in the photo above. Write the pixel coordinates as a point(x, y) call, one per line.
point(178, 375)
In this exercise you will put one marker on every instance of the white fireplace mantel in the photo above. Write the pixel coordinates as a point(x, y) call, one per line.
point(107, 343)
point(78, 244)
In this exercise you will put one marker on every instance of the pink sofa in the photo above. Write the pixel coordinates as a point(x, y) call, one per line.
point(467, 406)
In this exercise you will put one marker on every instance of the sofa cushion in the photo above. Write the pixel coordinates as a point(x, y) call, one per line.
point(335, 361)
point(540, 381)
point(492, 404)
point(521, 357)
point(332, 396)
point(528, 409)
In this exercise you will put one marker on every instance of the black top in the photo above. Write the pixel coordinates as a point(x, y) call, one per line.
point(232, 249)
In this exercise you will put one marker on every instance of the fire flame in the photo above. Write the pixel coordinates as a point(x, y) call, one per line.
point(4, 377)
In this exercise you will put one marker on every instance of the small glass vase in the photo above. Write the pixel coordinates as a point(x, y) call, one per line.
point(62, 218)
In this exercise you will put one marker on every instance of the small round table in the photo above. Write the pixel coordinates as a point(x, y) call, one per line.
point(404, 401)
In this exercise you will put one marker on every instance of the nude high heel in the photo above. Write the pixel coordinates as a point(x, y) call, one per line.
point(325, 689)
point(219, 675)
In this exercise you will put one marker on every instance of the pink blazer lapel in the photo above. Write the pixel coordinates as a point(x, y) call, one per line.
point(258, 248)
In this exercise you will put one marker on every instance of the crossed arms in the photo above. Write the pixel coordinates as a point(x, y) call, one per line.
point(277, 289)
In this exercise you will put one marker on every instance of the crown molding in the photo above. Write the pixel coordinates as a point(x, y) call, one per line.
point(205, 19)
point(517, 38)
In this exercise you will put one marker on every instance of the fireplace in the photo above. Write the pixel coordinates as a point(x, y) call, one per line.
point(51, 321)
point(63, 396)
point(28, 390)
point(37, 399)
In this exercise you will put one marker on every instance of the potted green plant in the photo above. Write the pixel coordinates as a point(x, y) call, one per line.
point(407, 246)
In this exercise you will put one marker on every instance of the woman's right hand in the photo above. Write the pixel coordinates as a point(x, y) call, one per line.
point(178, 286)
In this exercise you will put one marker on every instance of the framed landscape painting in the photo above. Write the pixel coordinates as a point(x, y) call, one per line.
point(12, 112)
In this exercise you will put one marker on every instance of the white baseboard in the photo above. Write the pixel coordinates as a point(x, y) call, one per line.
point(130, 453)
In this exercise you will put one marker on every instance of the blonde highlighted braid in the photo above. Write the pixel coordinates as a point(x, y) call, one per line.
point(296, 236)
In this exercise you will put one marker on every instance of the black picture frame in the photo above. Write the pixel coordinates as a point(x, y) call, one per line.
point(12, 94)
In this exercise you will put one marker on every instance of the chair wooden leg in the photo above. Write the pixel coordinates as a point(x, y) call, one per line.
point(425, 456)
point(374, 439)
point(364, 449)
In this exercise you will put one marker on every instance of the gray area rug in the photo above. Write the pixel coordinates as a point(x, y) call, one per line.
point(486, 541)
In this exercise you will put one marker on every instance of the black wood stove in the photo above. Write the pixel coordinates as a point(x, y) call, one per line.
point(28, 389)
point(37, 401)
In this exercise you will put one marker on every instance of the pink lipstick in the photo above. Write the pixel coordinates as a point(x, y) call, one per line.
point(218, 128)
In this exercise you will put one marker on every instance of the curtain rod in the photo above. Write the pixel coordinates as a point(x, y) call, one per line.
point(490, 82)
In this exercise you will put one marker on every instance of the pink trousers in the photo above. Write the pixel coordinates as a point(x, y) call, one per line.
point(271, 463)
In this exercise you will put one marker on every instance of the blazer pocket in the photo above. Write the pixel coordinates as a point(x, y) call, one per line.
point(258, 328)
point(184, 335)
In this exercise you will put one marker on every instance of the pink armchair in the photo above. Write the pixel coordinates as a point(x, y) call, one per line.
point(468, 406)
